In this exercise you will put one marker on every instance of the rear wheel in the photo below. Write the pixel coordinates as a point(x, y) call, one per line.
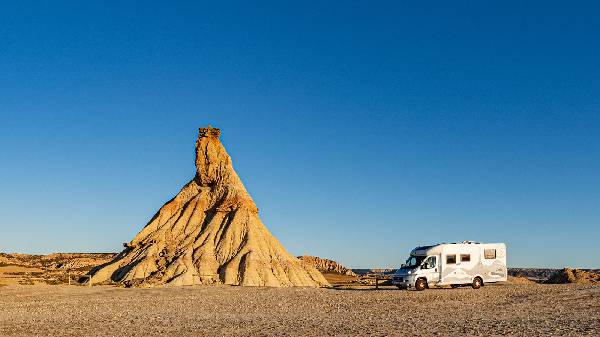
point(421, 284)
point(477, 283)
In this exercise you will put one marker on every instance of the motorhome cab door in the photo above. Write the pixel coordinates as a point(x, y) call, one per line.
point(431, 269)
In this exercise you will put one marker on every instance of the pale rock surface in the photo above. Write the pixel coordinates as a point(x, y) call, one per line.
point(209, 233)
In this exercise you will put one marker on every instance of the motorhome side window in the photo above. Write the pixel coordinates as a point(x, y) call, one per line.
point(465, 257)
point(489, 253)
point(450, 259)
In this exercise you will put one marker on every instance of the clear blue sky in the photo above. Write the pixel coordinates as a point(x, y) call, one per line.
point(361, 129)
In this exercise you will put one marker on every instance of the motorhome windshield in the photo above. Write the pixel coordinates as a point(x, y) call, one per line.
point(413, 262)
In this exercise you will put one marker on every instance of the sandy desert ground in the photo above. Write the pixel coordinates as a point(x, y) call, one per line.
point(508, 309)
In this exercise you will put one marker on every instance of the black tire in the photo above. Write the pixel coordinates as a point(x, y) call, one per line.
point(421, 284)
point(477, 283)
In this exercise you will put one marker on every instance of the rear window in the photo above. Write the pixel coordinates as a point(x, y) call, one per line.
point(489, 253)
point(450, 259)
point(465, 257)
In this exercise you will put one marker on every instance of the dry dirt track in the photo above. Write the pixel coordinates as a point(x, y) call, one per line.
point(213, 311)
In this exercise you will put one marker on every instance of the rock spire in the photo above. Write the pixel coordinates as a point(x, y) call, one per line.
point(209, 233)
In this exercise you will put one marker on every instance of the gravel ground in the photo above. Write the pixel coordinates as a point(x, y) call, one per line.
point(209, 311)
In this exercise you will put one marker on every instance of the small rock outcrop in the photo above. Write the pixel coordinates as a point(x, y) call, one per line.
point(326, 265)
point(568, 275)
point(519, 280)
point(209, 233)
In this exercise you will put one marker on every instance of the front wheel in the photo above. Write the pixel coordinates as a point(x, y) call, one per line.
point(421, 284)
point(477, 283)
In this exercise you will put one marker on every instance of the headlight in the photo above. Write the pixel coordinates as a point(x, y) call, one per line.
point(409, 272)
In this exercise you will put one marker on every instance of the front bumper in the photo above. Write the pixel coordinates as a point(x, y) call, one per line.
point(404, 281)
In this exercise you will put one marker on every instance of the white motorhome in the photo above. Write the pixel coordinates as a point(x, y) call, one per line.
point(453, 264)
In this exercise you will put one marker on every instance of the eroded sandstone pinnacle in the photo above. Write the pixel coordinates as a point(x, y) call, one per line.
point(209, 233)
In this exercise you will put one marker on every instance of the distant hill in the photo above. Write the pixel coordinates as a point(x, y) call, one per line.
point(568, 275)
point(57, 268)
point(541, 274)
point(326, 265)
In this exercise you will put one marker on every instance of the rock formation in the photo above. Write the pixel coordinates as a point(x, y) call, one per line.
point(326, 265)
point(209, 233)
point(519, 280)
point(568, 275)
point(57, 261)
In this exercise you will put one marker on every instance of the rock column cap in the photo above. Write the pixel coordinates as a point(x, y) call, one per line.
point(209, 131)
